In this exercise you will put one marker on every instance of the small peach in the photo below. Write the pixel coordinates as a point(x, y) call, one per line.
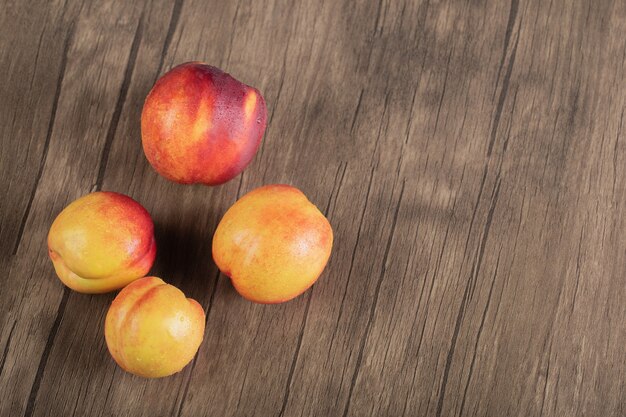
point(273, 243)
point(200, 125)
point(101, 242)
point(152, 330)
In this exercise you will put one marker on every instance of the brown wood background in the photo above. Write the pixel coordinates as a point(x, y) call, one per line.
point(470, 155)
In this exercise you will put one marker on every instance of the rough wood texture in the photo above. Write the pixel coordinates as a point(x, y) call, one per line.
point(469, 154)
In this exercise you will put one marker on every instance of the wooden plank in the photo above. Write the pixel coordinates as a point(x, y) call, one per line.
point(95, 54)
point(467, 154)
point(33, 63)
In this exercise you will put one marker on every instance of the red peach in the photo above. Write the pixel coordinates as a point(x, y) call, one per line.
point(200, 125)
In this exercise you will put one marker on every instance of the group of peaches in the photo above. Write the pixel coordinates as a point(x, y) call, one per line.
point(198, 125)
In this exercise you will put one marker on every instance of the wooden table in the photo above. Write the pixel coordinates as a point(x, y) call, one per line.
point(470, 156)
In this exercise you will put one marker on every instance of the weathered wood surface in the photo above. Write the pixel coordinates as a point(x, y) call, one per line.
point(470, 156)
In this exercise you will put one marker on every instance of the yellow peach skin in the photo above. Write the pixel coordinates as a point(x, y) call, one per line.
point(273, 243)
point(152, 330)
point(101, 242)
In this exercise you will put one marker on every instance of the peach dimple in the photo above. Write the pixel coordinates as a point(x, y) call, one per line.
point(152, 330)
point(101, 242)
point(273, 243)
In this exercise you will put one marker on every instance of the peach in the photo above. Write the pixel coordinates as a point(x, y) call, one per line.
point(152, 330)
point(101, 242)
point(200, 125)
point(273, 243)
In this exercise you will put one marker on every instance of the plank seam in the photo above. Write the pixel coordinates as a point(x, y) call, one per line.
point(6, 347)
point(171, 29)
point(374, 303)
point(195, 359)
point(121, 98)
point(503, 93)
point(479, 333)
point(295, 356)
point(466, 297)
point(356, 246)
point(356, 112)
point(507, 38)
point(32, 398)
point(46, 146)
point(308, 304)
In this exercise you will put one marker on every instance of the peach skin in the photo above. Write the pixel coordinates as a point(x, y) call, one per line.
point(200, 125)
point(273, 243)
point(152, 330)
point(101, 242)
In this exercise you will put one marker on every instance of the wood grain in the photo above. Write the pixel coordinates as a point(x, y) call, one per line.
point(469, 155)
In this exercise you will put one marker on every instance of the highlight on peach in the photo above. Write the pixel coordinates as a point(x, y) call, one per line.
point(273, 243)
point(101, 242)
point(201, 125)
point(152, 330)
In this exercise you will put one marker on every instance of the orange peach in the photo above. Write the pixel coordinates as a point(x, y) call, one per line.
point(101, 242)
point(200, 125)
point(273, 243)
point(152, 330)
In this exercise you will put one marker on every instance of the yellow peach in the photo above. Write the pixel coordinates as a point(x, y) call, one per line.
point(152, 330)
point(273, 243)
point(101, 242)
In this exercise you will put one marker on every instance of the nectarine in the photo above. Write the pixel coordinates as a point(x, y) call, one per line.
point(152, 330)
point(273, 243)
point(200, 125)
point(101, 242)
